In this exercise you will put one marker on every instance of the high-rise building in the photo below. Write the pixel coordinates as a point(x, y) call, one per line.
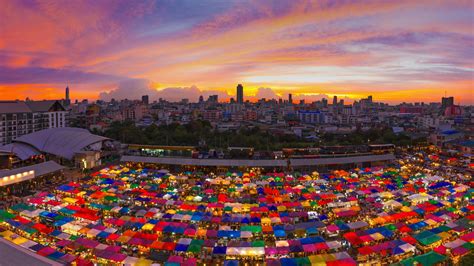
point(145, 99)
point(334, 100)
point(447, 102)
point(240, 93)
point(290, 98)
point(201, 99)
point(67, 101)
point(325, 102)
point(213, 98)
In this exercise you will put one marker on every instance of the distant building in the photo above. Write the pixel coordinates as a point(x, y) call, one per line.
point(453, 110)
point(250, 115)
point(67, 100)
point(212, 115)
point(446, 102)
point(18, 118)
point(324, 102)
point(290, 98)
point(240, 94)
point(334, 100)
point(411, 110)
point(213, 98)
point(145, 99)
point(440, 138)
point(134, 112)
point(310, 117)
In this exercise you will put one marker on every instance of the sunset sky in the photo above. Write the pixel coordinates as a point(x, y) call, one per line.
point(394, 50)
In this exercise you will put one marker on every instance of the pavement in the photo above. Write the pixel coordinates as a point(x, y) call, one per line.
point(12, 255)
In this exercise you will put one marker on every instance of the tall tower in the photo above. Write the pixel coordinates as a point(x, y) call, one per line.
point(240, 93)
point(290, 98)
point(334, 100)
point(67, 101)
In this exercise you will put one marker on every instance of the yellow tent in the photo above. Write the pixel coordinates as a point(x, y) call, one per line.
point(143, 262)
point(148, 226)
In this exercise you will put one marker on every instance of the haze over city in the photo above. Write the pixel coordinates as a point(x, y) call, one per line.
point(397, 51)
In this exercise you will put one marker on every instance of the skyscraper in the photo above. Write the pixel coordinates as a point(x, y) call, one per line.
point(334, 100)
point(240, 93)
point(447, 102)
point(290, 98)
point(145, 99)
point(67, 101)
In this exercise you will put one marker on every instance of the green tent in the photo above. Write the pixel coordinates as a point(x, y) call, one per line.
point(251, 228)
point(111, 198)
point(197, 242)
point(391, 227)
point(443, 228)
point(30, 230)
point(430, 258)
point(427, 238)
point(406, 262)
point(258, 243)
point(468, 246)
point(213, 199)
point(21, 207)
point(4, 215)
point(194, 248)
point(304, 261)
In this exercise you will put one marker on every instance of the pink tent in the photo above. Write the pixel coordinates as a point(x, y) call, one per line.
point(309, 248)
point(332, 228)
point(176, 259)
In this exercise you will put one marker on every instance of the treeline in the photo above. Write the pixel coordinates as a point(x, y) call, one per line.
point(201, 133)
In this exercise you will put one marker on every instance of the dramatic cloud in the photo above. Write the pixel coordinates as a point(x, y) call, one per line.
point(134, 89)
point(266, 93)
point(131, 89)
point(352, 48)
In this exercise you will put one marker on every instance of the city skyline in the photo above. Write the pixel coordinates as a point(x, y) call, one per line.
point(396, 51)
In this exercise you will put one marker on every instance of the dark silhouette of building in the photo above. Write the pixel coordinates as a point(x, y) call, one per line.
point(447, 102)
point(334, 100)
point(67, 100)
point(290, 98)
point(213, 98)
point(145, 99)
point(240, 93)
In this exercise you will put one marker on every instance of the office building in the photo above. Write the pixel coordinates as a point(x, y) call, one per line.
point(145, 99)
point(240, 94)
point(67, 100)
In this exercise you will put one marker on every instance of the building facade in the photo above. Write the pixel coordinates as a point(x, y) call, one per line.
point(18, 118)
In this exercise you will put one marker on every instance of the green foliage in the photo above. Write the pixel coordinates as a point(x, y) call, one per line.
point(196, 131)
